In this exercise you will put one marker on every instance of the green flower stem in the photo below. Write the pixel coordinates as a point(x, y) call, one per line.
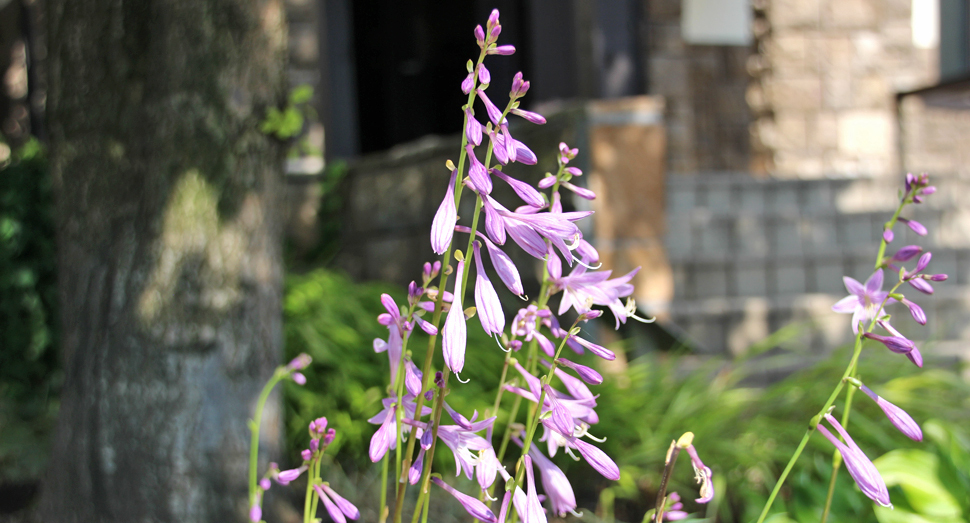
point(784, 474)
point(442, 284)
point(254, 426)
point(384, 467)
point(429, 456)
point(849, 371)
point(662, 492)
point(313, 479)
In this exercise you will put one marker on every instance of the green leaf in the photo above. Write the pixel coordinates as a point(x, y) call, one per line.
point(916, 472)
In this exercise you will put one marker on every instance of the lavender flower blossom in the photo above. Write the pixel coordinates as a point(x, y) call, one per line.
point(676, 511)
point(483, 75)
point(339, 507)
point(556, 486)
point(863, 301)
point(300, 362)
point(490, 312)
point(504, 50)
point(859, 466)
point(255, 513)
point(475, 508)
point(454, 331)
point(494, 113)
point(916, 226)
point(887, 235)
point(533, 509)
point(477, 173)
point(524, 190)
point(519, 86)
point(899, 418)
point(702, 474)
point(906, 253)
point(473, 129)
point(507, 272)
point(535, 118)
point(443, 226)
point(897, 343)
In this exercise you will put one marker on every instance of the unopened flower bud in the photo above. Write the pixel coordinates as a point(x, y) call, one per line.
point(480, 36)
point(265, 483)
point(328, 438)
point(907, 253)
point(306, 454)
point(504, 50)
point(298, 378)
point(300, 362)
point(887, 235)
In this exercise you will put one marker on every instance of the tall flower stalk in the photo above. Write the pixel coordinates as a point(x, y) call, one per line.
point(867, 302)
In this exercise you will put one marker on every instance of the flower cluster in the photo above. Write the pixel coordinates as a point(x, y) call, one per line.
point(414, 414)
point(867, 302)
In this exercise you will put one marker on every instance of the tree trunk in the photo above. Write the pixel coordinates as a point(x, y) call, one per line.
point(169, 252)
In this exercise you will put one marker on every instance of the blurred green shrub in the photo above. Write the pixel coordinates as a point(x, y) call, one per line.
point(29, 366)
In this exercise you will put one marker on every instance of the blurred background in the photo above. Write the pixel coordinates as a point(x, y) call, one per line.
point(745, 153)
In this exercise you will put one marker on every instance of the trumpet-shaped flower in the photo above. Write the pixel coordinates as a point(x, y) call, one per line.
point(897, 416)
point(475, 508)
point(863, 301)
point(454, 331)
point(859, 466)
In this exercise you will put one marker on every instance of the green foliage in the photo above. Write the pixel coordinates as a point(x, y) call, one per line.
point(288, 122)
point(29, 366)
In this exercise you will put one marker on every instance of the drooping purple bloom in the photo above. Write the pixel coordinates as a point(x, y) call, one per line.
point(508, 142)
point(443, 225)
point(535, 118)
point(414, 473)
point(702, 474)
point(475, 508)
point(504, 50)
point(494, 113)
point(525, 191)
point(899, 418)
point(384, 437)
point(483, 75)
point(300, 362)
point(412, 378)
point(338, 507)
point(533, 509)
point(859, 466)
point(487, 468)
point(921, 285)
point(916, 226)
point(587, 374)
point(477, 173)
point(473, 128)
point(915, 311)
point(286, 476)
point(582, 192)
point(490, 312)
point(468, 83)
point(863, 301)
point(676, 510)
point(556, 486)
point(906, 253)
point(502, 264)
point(454, 331)
point(462, 441)
point(897, 343)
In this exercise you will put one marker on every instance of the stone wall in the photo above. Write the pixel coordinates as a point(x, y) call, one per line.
point(935, 128)
point(707, 117)
point(830, 70)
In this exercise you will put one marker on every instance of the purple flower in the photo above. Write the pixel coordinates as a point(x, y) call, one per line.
point(676, 510)
point(339, 507)
point(525, 191)
point(593, 455)
point(300, 362)
point(487, 468)
point(468, 83)
point(899, 418)
point(582, 289)
point(475, 508)
point(916, 226)
point(414, 473)
point(286, 476)
point(556, 227)
point(298, 378)
point(863, 301)
point(906, 253)
point(533, 509)
point(887, 235)
point(921, 285)
point(479, 36)
point(386, 436)
point(587, 374)
point(255, 513)
point(494, 113)
point(483, 75)
point(916, 311)
point(453, 342)
point(504, 50)
point(859, 466)
point(443, 225)
point(535, 118)
point(501, 262)
point(461, 441)
point(473, 129)
point(582, 192)
point(702, 474)
point(412, 378)
point(477, 173)
point(490, 312)
point(519, 86)
point(558, 490)
point(897, 343)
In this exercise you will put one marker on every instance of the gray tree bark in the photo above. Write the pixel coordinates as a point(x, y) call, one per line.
point(169, 252)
